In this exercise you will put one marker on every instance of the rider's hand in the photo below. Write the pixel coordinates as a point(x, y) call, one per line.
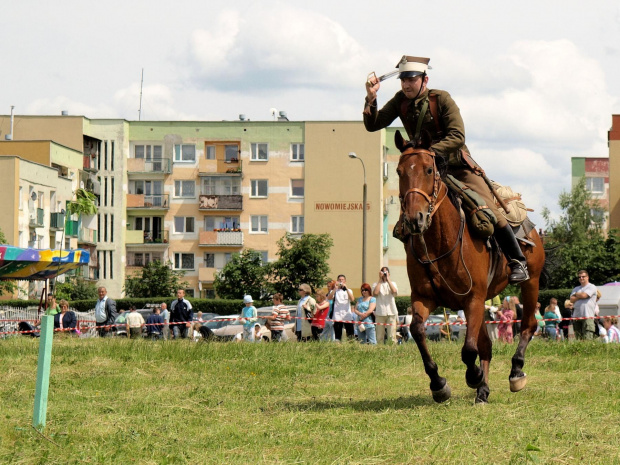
point(372, 87)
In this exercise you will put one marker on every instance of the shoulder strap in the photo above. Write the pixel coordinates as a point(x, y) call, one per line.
point(432, 103)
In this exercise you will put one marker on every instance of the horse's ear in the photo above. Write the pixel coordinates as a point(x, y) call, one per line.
point(426, 139)
point(399, 141)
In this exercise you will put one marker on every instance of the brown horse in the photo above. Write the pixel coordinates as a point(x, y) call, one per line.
point(448, 266)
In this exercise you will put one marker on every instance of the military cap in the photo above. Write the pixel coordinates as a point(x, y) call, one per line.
point(412, 66)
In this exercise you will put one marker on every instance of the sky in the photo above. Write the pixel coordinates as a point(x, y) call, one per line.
point(537, 82)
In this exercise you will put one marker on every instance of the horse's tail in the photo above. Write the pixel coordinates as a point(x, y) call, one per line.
point(551, 264)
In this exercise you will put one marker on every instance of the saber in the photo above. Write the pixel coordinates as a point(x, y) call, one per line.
point(382, 77)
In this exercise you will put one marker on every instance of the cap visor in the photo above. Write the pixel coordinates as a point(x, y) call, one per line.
point(408, 74)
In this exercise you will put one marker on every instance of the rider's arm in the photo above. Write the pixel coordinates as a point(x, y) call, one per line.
point(379, 119)
point(452, 124)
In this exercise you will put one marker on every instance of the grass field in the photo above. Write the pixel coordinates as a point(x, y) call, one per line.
point(114, 401)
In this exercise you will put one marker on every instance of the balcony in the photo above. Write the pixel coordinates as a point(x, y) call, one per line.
point(143, 165)
point(220, 239)
point(87, 236)
point(232, 167)
point(57, 221)
point(138, 237)
point(36, 218)
point(206, 275)
point(72, 228)
point(221, 202)
point(148, 202)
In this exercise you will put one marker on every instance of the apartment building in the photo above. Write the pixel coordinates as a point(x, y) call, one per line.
point(596, 172)
point(193, 193)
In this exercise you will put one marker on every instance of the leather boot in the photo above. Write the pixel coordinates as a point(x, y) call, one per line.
point(507, 241)
point(398, 231)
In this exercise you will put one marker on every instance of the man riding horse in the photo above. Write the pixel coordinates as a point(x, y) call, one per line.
point(434, 111)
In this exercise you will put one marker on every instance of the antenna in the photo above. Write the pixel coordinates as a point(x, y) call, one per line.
point(274, 113)
point(140, 109)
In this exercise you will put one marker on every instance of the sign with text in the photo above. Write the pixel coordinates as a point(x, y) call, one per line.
point(328, 206)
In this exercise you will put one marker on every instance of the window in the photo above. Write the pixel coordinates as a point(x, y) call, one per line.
point(184, 261)
point(597, 215)
point(258, 188)
point(231, 153)
point(297, 224)
point(184, 224)
point(264, 256)
point(210, 152)
point(297, 152)
point(221, 185)
point(189, 293)
point(184, 188)
point(297, 187)
point(221, 222)
point(258, 224)
point(595, 185)
point(146, 187)
point(147, 151)
point(260, 152)
point(184, 153)
point(227, 258)
point(209, 260)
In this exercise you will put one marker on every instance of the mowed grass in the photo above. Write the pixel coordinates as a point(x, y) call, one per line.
point(115, 401)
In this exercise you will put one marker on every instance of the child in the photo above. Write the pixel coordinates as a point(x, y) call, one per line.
point(279, 314)
point(322, 309)
point(257, 333)
point(248, 318)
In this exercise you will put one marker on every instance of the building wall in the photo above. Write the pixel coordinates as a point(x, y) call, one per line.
point(65, 130)
point(9, 180)
point(599, 188)
point(614, 173)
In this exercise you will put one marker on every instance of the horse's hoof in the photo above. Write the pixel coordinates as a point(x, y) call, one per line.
point(516, 384)
point(443, 394)
point(480, 401)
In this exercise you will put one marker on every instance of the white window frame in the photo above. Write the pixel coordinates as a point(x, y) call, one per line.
point(178, 187)
point(295, 223)
point(590, 185)
point(149, 151)
point(255, 189)
point(205, 260)
point(259, 224)
point(295, 196)
point(255, 151)
point(297, 154)
point(210, 152)
point(178, 260)
point(189, 222)
point(178, 153)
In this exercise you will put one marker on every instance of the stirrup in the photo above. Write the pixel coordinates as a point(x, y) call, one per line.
point(518, 272)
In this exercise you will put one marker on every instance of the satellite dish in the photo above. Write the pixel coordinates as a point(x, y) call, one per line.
point(33, 196)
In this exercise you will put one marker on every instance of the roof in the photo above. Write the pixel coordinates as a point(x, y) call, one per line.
point(36, 264)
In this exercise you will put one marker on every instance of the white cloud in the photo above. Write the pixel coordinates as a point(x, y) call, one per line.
point(158, 103)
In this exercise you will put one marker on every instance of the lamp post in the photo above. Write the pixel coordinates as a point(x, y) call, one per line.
point(354, 155)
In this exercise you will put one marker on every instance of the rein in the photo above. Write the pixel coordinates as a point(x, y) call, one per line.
point(433, 207)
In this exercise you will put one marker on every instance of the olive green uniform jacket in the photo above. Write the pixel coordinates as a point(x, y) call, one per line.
point(446, 142)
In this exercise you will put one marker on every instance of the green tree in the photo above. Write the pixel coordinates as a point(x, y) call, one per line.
point(301, 260)
point(157, 280)
point(85, 203)
point(6, 287)
point(244, 274)
point(577, 241)
point(76, 289)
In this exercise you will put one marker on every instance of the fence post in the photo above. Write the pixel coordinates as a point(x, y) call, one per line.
point(43, 371)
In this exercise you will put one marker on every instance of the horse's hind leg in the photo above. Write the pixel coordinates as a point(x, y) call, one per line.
point(439, 386)
point(485, 351)
point(529, 290)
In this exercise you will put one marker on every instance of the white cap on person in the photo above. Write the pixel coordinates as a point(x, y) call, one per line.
point(247, 299)
point(412, 66)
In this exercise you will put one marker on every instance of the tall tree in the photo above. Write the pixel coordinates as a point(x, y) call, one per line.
point(244, 274)
point(301, 260)
point(156, 280)
point(577, 240)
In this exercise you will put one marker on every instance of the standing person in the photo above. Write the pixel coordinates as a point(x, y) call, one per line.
point(306, 306)
point(565, 322)
point(248, 317)
point(135, 323)
point(52, 308)
point(65, 321)
point(518, 309)
point(505, 314)
point(342, 308)
point(364, 309)
point(120, 324)
point(422, 110)
point(181, 315)
point(320, 314)
point(551, 319)
point(165, 315)
point(328, 330)
point(154, 324)
point(539, 320)
point(279, 315)
point(385, 291)
point(105, 313)
point(583, 298)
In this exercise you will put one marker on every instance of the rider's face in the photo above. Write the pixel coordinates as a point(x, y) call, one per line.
point(411, 85)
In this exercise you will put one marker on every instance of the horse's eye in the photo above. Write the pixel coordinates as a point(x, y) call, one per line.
point(399, 172)
point(429, 171)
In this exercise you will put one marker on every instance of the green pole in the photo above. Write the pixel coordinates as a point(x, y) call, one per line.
point(43, 371)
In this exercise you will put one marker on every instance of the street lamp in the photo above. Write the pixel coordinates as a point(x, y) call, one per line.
point(354, 155)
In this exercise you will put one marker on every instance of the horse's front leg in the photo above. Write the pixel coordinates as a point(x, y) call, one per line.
point(529, 292)
point(439, 386)
point(474, 376)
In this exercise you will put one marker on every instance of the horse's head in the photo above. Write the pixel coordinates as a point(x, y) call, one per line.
point(419, 184)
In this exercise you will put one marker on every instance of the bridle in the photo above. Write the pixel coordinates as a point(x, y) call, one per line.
point(433, 207)
point(433, 203)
